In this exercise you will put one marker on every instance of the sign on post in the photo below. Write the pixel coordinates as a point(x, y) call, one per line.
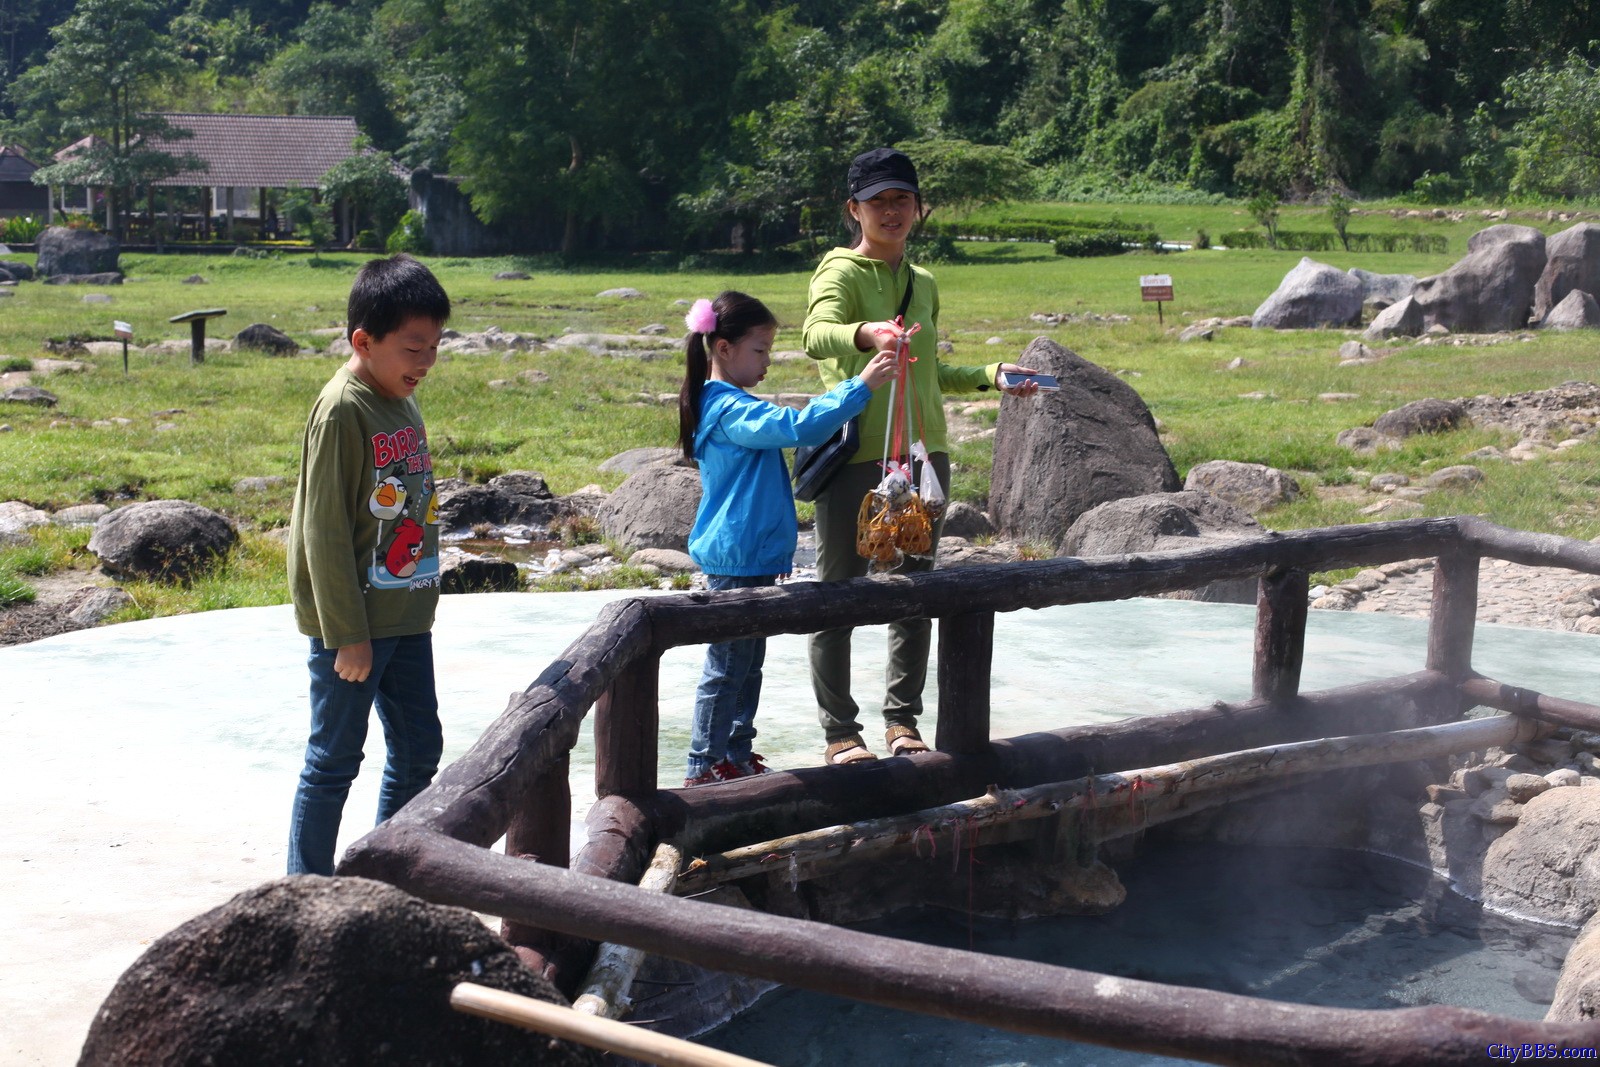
point(124, 332)
point(1157, 287)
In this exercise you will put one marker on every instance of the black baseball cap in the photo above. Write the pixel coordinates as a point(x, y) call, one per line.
point(881, 168)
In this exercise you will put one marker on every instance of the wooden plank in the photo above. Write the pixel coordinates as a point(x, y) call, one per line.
point(1281, 605)
point(1454, 613)
point(826, 848)
point(1526, 702)
point(541, 832)
point(626, 727)
point(966, 650)
point(631, 1041)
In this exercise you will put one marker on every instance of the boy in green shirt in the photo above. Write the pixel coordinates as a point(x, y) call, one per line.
point(364, 558)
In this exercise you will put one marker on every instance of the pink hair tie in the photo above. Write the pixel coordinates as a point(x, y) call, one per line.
point(702, 318)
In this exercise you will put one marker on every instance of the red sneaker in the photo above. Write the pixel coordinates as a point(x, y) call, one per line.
point(723, 771)
point(754, 766)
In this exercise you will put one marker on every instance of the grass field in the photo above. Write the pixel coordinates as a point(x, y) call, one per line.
point(240, 415)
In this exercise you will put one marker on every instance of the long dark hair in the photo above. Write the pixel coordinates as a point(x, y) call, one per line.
point(737, 314)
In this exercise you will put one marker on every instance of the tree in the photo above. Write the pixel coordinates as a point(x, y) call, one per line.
point(370, 181)
point(1339, 214)
point(99, 75)
point(337, 66)
point(1263, 207)
point(311, 217)
point(1556, 136)
point(958, 175)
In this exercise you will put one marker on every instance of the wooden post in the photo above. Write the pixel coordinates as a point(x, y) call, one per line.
point(626, 724)
point(1280, 634)
point(966, 651)
point(541, 832)
point(1454, 613)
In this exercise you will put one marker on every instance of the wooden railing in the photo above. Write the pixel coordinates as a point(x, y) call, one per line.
point(514, 783)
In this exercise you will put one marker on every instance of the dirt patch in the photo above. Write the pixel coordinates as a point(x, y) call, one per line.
point(51, 611)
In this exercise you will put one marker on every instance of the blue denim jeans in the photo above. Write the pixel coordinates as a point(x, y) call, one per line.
point(401, 687)
point(730, 689)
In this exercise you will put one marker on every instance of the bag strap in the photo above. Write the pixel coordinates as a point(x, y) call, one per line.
point(905, 301)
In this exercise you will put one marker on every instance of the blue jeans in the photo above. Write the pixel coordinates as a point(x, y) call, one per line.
point(401, 687)
point(730, 689)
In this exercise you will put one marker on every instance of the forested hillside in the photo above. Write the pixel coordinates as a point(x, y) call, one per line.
point(685, 116)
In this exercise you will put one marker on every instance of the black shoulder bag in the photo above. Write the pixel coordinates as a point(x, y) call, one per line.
point(815, 465)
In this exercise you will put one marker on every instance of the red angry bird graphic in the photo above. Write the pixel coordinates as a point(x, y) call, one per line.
point(405, 549)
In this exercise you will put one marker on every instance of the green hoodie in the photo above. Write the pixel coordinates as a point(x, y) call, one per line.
point(849, 289)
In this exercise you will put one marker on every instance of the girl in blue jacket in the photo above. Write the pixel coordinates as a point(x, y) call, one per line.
point(745, 529)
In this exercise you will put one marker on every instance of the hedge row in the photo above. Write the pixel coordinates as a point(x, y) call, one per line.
point(1038, 230)
point(1106, 243)
point(1312, 241)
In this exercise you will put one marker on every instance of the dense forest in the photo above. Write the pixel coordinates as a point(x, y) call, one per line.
point(688, 117)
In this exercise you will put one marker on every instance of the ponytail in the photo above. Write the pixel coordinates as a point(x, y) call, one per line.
point(730, 316)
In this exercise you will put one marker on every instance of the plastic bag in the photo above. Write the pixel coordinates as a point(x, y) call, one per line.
point(929, 489)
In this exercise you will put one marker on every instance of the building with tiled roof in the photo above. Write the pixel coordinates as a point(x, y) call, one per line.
point(18, 194)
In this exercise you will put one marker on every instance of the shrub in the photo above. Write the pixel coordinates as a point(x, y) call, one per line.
point(410, 234)
point(1437, 189)
point(1314, 241)
point(1103, 243)
point(15, 363)
point(366, 240)
point(22, 229)
point(1202, 239)
point(1024, 229)
point(14, 590)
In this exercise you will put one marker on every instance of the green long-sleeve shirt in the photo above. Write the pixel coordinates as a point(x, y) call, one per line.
point(848, 289)
point(364, 538)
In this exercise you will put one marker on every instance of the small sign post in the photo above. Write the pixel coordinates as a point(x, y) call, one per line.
point(123, 332)
point(1157, 287)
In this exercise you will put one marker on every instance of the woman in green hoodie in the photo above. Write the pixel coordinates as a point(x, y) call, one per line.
point(855, 296)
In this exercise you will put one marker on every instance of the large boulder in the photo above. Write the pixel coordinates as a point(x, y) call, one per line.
point(654, 508)
point(1491, 287)
point(513, 497)
point(1577, 311)
point(1548, 865)
point(161, 539)
point(1571, 263)
point(1577, 998)
point(1161, 522)
point(265, 338)
point(1400, 319)
point(1311, 295)
point(19, 271)
point(64, 251)
point(1429, 415)
point(1251, 486)
point(1383, 290)
point(329, 971)
point(1057, 455)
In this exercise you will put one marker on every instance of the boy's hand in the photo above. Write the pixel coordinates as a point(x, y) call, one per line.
point(354, 662)
point(879, 370)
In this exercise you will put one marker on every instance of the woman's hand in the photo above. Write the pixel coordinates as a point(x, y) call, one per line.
point(872, 336)
point(1027, 388)
point(879, 370)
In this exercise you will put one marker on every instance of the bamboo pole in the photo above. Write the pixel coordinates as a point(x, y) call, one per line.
point(620, 1038)
point(605, 988)
point(832, 845)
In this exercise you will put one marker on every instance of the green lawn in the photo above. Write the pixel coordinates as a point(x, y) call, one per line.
point(240, 415)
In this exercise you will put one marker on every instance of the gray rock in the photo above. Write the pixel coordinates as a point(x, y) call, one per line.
point(102, 278)
point(1420, 416)
point(1163, 521)
point(654, 508)
point(963, 520)
point(1312, 295)
point(1196, 333)
point(258, 483)
point(1058, 455)
point(959, 552)
point(1577, 995)
point(636, 459)
point(17, 518)
point(1383, 290)
point(91, 607)
point(1488, 289)
point(30, 394)
point(1571, 264)
point(65, 251)
point(265, 338)
point(514, 276)
point(1251, 486)
point(654, 329)
point(161, 539)
point(623, 293)
point(80, 515)
point(1524, 787)
point(1365, 441)
point(1577, 311)
point(461, 572)
point(513, 497)
point(195, 279)
point(1404, 318)
point(1461, 476)
point(1388, 481)
point(19, 271)
point(330, 971)
point(1562, 777)
point(96, 298)
point(1356, 350)
point(665, 560)
point(1548, 866)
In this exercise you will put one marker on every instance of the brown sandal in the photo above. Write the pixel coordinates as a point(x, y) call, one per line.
point(903, 740)
point(848, 750)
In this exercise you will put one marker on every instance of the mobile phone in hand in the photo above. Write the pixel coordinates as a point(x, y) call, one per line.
point(1047, 382)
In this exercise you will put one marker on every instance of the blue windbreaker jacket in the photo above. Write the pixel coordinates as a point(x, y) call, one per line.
point(746, 522)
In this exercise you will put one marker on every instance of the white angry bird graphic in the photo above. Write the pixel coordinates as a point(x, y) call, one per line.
point(388, 499)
